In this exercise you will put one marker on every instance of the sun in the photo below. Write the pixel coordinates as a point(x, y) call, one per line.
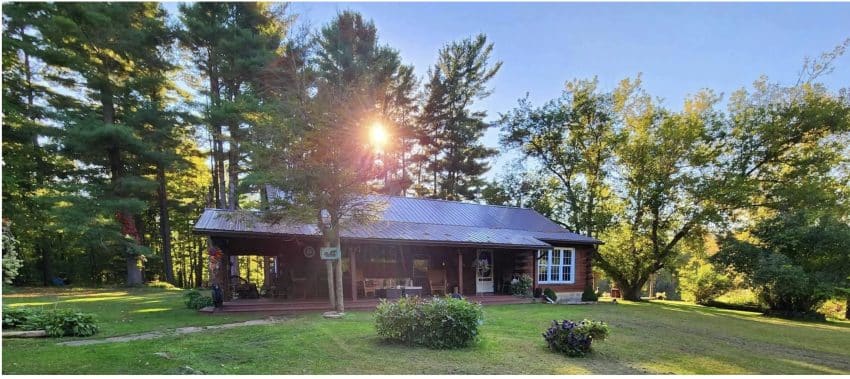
point(378, 136)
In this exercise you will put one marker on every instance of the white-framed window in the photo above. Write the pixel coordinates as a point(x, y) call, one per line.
point(557, 265)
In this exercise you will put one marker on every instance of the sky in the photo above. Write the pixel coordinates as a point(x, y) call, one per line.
point(679, 48)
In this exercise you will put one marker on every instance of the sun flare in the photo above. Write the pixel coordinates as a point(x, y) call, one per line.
point(378, 135)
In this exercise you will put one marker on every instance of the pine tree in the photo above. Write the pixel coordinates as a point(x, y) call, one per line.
point(231, 43)
point(107, 49)
point(451, 131)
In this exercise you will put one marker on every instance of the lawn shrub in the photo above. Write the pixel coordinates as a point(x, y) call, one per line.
point(195, 300)
point(787, 290)
point(56, 322)
point(159, 284)
point(701, 283)
point(68, 322)
point(589, 294)
point(436, 323)
point(522, 286)
point(575, 339)
point(834, 308)
point(548, 292)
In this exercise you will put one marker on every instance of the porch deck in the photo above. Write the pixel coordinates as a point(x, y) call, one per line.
point(279, 306)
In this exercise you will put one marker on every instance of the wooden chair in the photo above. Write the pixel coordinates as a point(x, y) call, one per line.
point(368, 285)
point(437, 281)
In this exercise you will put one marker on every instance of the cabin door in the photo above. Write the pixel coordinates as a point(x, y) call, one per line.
point(484, 271)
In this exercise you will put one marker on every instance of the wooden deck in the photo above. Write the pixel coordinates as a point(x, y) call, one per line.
point(278, 306)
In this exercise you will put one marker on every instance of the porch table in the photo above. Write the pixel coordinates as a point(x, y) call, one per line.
point(395, 293)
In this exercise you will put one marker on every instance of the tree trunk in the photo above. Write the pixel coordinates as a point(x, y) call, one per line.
point(134, 272)
point(199, 268)
point(164, 227)
point(233, 172)
point(331, 296)
point(847, 308)
point(340, 302)
point(632, 291)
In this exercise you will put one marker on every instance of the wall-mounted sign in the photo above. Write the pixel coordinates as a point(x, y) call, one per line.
point(330, 253)
point(309, 251)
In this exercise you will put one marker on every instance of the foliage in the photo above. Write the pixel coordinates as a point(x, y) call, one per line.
point(645, 179)
point(67, 322)
point(17, 316)
point(548, 292)
point(195, 300)
point(437, 323)
point(589, 294)
point(575, 339)
point(159, 284)
point(701, 282)
point(834, 308)
point(11, 262)
point(522, 286)
point(450, 132)
point(56, 322)
point(794, 260)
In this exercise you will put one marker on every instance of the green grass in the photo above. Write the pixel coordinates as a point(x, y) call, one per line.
point(657, 337)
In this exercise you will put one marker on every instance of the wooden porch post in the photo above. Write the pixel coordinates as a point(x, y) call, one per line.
point(225, 272)
point(460, 271)
point(534, 270)
point(352, 267)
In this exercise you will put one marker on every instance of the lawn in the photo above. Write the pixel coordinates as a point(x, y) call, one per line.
point(657, 337)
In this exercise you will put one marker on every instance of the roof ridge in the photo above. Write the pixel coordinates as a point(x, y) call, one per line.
point(456, 202)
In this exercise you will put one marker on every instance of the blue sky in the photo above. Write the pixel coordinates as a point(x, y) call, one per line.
point(679, 48)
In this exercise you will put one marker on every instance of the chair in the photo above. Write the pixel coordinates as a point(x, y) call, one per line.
point(437, 281)
point(369, 285)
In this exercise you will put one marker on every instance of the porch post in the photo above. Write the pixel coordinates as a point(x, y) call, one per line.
point(460, 271)
point(352, 268)
point(225, 271)
point(534, 270)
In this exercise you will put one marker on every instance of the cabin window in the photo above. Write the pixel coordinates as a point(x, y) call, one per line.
point(556, 265)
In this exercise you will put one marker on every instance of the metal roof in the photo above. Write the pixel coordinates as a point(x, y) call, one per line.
point(418, 220)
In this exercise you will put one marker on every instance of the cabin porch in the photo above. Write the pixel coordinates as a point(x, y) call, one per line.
point(295, 276)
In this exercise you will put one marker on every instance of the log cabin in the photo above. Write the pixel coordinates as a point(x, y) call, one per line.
point(416, 246)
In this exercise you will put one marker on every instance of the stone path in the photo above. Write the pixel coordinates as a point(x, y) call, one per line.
point(168, 333)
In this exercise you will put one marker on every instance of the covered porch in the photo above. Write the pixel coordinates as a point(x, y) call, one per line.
point(295, 276)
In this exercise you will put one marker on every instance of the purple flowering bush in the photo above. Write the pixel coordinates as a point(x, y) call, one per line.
point(574, 339)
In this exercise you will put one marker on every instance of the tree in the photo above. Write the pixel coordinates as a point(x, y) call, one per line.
point(231, 43)
point(11, 262)
point(322, 160)
point(573, 138)
point(109, 49)
point(450, 131)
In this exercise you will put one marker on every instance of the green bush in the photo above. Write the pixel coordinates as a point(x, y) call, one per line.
point(700, 283)
point(787, 289)
point(16, 317)
point(575, 339)
point(437, 323)
point(522, 286)
point(195, 300)
point(56, 322)
point(589, 294)
point(159, 284)
point(548, 292)
point(67, 322)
